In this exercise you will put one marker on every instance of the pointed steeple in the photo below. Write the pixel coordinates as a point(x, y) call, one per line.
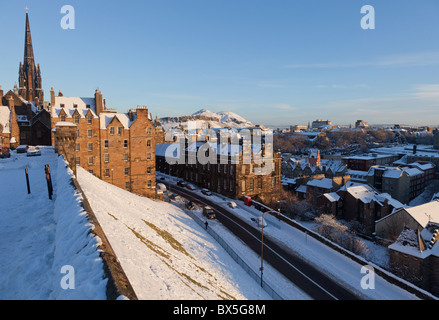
point(29, 81)
point(28, 49)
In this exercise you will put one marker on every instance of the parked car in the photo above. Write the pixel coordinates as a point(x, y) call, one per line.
point(181, 183)
point(259, 221)
point(232, 204)
point(5, 152)
point(33, 152)
point(206, 192)
point(189, 205)
point(174, 196)
point(161, 187)
point(190, 186)
point(22, 149)
point(209, 213)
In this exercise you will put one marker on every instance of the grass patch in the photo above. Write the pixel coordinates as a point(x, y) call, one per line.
point(168, 238)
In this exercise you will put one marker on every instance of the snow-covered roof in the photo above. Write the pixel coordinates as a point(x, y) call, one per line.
point(106, 118)
point(322, 183)
point(5, 115)
point(71, 104)
point(332, 196)
point(425, 213)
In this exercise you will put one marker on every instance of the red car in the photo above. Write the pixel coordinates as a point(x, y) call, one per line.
point(5, 152)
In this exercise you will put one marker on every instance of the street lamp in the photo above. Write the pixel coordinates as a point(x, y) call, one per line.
point(262, 243)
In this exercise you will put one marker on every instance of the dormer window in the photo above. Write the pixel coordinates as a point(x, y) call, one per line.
point(62, 105)
point(63, 118)
point(75, 106)
point(87, 106)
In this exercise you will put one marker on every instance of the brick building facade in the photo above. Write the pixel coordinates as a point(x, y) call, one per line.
point(226, 172)
point(117, 147)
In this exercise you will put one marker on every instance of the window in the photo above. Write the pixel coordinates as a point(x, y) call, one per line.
point(87, 106)
point(119, 131)
point(252, 185)
point(106, 157)
point(75, 106)
point(90, 147)
point(148, 170)
point(78, 161)
point(106, 144)
point(78, 135)
point(63, 118)
point(149, 184)
point(148, 156)
point(260, 183)
point(111, 131)
point(78, 147)
point(127, 171)
point(148, 143)
point(148, 131)
point(62, 105)
point(90, 161)
point(127, 185)
point(89, 119)
point(90, 133)
point(243, 186)
point(125, 143)
point(107, 173)
point(90, 171)
point(125, 157)
point(76, 118)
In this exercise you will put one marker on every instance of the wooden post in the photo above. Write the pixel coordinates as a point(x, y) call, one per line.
point(49, 181)
point(27, 180)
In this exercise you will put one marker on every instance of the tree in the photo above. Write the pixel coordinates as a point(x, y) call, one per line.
point(328, 227)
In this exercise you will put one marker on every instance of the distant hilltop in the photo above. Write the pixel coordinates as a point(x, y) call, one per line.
point(208, 119)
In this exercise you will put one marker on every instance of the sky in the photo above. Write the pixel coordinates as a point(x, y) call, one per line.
point(277, 62)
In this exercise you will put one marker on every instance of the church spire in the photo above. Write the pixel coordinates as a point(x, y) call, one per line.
point(28, 49)
point(29, 74)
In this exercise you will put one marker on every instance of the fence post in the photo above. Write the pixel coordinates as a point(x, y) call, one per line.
point(49, 181)
point(27, 180)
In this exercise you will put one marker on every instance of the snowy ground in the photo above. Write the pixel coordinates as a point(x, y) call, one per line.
point(165, 254)
point(40, 236)
point(335, 264)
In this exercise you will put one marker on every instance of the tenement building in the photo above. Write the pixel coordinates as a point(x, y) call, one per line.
point(226, 168)
point(117, 147)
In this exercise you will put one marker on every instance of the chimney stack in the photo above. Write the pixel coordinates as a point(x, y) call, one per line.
point(11, 103)
point(98, 102)
point(52, 97)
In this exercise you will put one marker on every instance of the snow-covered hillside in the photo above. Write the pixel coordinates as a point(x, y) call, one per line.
point(165, 254)
point(41, 238)
point(208, 119)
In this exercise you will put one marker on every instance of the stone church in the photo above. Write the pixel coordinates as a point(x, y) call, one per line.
point(117, 147)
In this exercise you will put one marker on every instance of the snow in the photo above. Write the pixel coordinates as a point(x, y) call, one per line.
point(165, 254)
point(5, 114)
point(163, 251)
point(338, 266)
point(40, 236)
point(218, 120)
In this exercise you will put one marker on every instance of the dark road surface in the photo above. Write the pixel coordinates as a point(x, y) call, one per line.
point(312, 281)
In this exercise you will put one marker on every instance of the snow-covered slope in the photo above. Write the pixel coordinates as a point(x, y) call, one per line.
point(39, 236)
point(205, 119)
point(165, 254)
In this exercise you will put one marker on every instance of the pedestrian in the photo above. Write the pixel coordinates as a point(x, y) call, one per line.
point(206, 224)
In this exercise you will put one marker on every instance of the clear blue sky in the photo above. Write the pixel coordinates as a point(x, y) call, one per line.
point(273, 62)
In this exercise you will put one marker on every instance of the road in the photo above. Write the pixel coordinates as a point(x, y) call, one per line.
point(312, 281)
